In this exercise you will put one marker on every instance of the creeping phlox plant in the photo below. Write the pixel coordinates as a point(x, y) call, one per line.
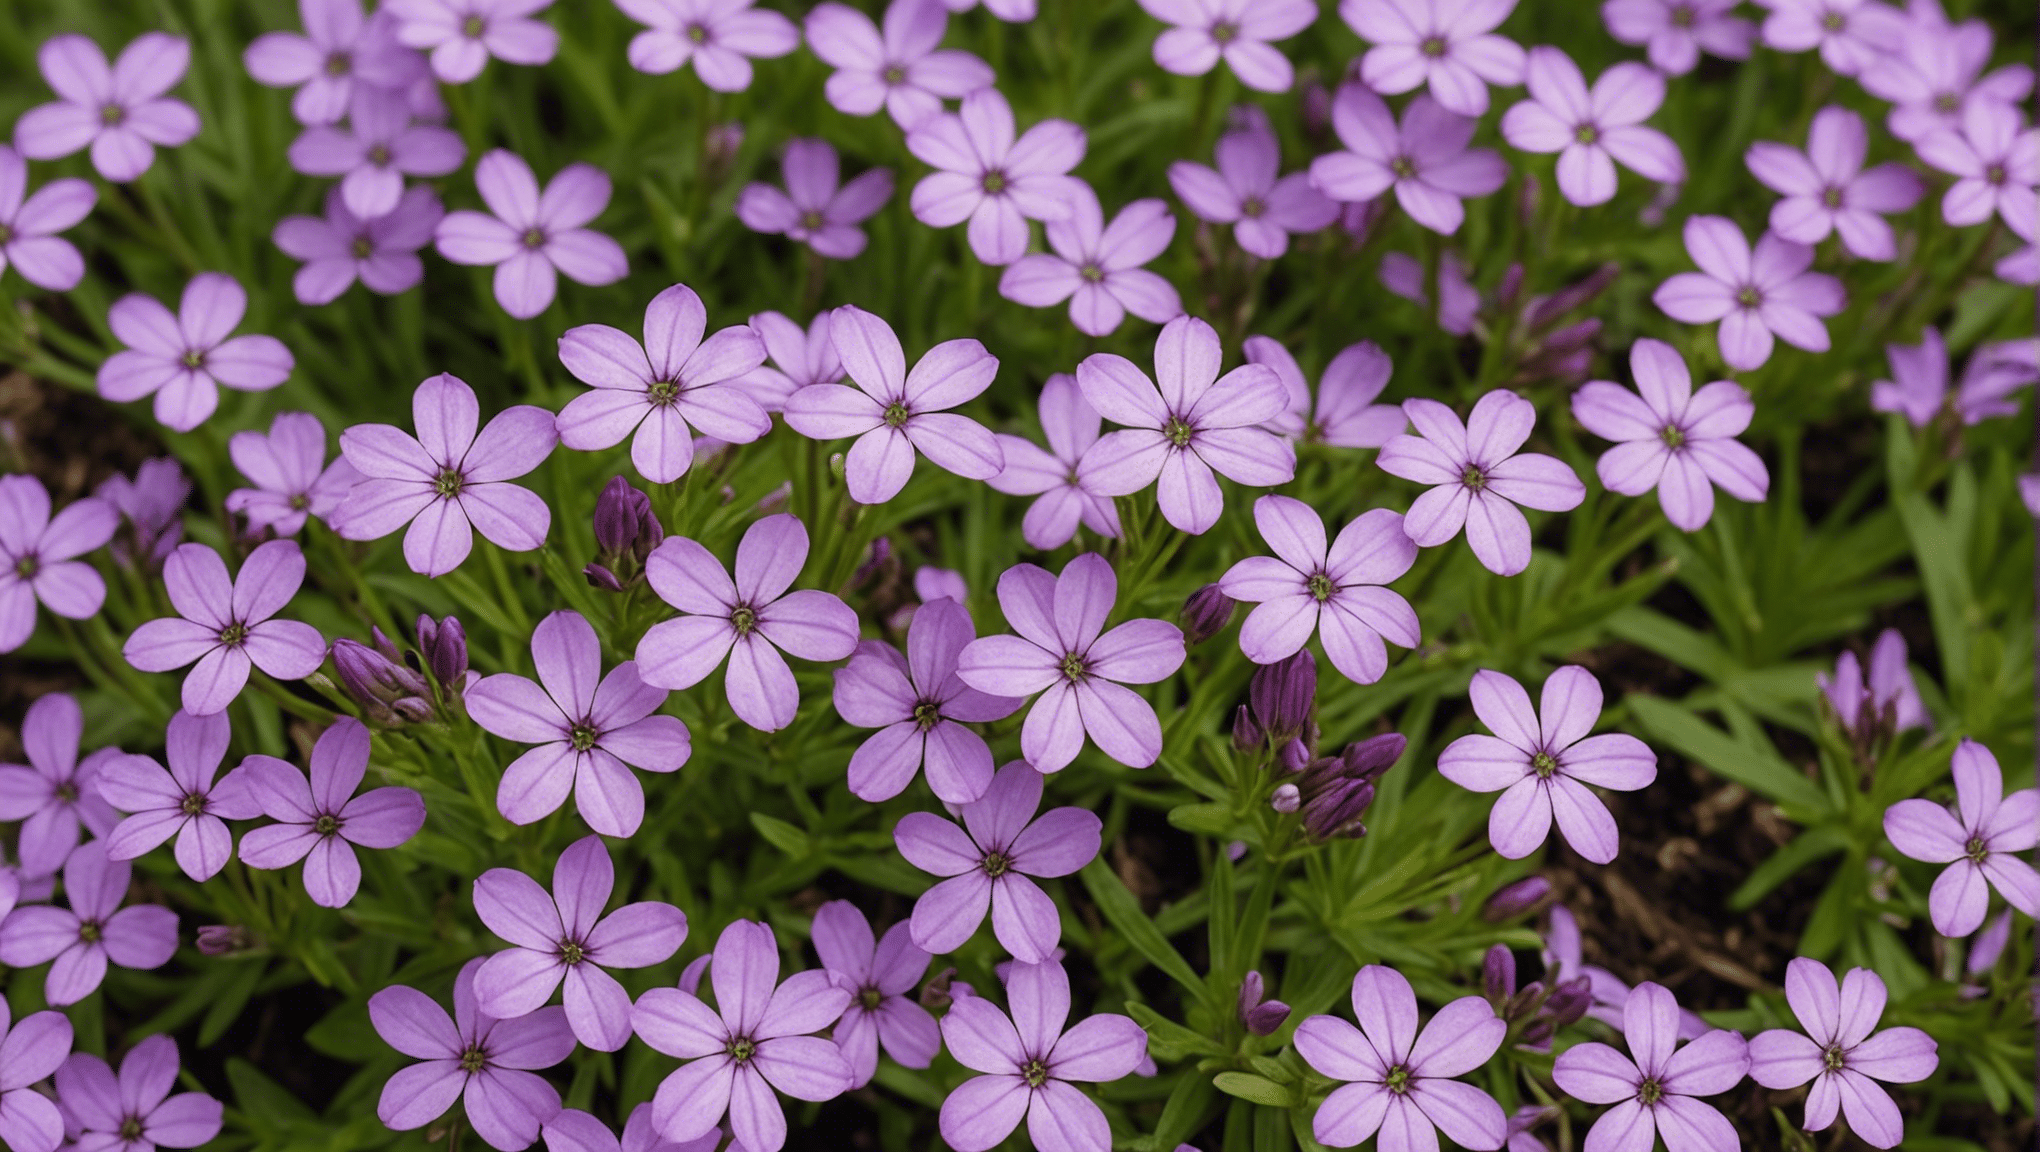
point(579, 572)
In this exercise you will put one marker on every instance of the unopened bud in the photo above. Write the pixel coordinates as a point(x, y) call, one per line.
point(1524, 1002)
point(1261, 1017)
point(874, 559)
point(224, 939)
point(1317, 110)
point(1515, 899)
point(603, 578)
point(719, 152)
point(1569, 1002)
point(1498, 974)
point(376, 682)
point(935, 994)
point(1246, 735)
point(1206, 613)
point(444, 645)
point(1287, 799)
point(1554, 307)
point(1293, 756)
point(1370, 759)
point(625, 523)
point(1539, 1033)
point(1282, 694)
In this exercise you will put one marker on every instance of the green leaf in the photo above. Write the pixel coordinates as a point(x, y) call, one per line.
point(1256, 1089)
point(1123, 912)
point(1804, 849)
point(1938, 553)
point(1758, 769)
point(781, 835)
point(1185, 1112)
point(231, 1000)
point(262, 1099)
point(1168, 1040)
point(1203, 819)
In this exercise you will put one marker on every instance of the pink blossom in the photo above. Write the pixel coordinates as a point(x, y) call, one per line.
point(878, 974)
point(797, 358)
point(1826, 187)
point(719, 37)
point(338, 47)
point(1672, 439)
point(1562, 964)
point(1335, 590)
point(120, 112)
point(1936, 73)
point(1059, 652)
point(1011, 11)
point(292, 480)
point(748, 620)
point(1097, 267)
point(40, 557)
point(1593, 129)
point(1839, 1053)
point(322, 821)
point(447, 481)
point(29, 1052)
point(1995, 159)
point(1344, 415)
point(817, 209)
point(78, 942)
point(893, 413)
point(1235, 31)
point(900, 68)
point(56, 791)
point(988, 177)
point(1459, 302)
point(224, 624)
point(184, 359)
point(1756, 295)
point(1980, 841)
point(341, 247)
point(1246, 193)
point(1677, 31)
point(1891, 699)
point(1062, 475)
point(463, 34)
point(1851, 34)
point(183, 801)
point(378, 148)
point(29, 225)
point(534, 235)
point(2022, 266)
point(105, 1109)
point(1447, 44)
point(1477, 477)
point(1656, 1089)
point(1425, 159)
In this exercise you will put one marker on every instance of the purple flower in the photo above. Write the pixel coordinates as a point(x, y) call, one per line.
point(223, 624)
point(589, 729)
point(1671, 439)
point(532, 234)
point(1311, 587)
point(878, 977)
point(1839, 1054)
point(1097, 267)
point(899, 69)
point(1425, 159)
point(1011, 11)
point(1979, 841)
point(573, 1130)
point(183, 801)
point(798, 357)
point(1543, 765)
point(40, 553)
point(894, 413)
point(29, 1052)
point(135, 1111)
point(1345, 414)
point(1062, 475)
point(1562, 965)
point(716, 36)
point(1593, 129)
point(1028, 1061)
point(321, 822)
point(1245, 193)
point(1677, 31)
point(1936, 73)
point(1236, 31)
point(56, 791)
point(152, 504)
point(473, 1055)
point(1448, 44)
point(183, 359)
point(1851, 34)
point(448, 480)
point(1399, 1081)
point(990, 866)
point(292, 480)
point(1656, 1091)
point(1079, 673)
point(338, 47)
point(1191, 424)
point(120, 112)
point(372, 155)
point(463, 34)
point(920, 706)
point(29, 225)
point(1826, 188)
point(1893, 699)
point(382, 253)
point(1478, 477)
point(1459, 302)
point(986, 176)
point(1918, 388)
point(1754, 295)
point(81, 939)
point(756, 1039)
point(563, 937)
point(817, 209)
point(1995, 160)
point(653, 391)
point(749, 620)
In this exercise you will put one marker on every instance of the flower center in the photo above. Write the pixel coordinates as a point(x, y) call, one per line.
point(88, 931)
point(583, 737)
point(6, 234)
point(1975, 849)
point(927, 714)
point(193, 804)
point(363, 248)
point(1473, 478)
point(1223, 33)
point(1178, 432)
point(1682, 16)
point(1544, 765)
point(112, 114)
point(1947, 103)
point(663, 392)
point(741, 1049)
point(870, 998)
point(27, 567)
point(1586, 134)
point(743, 619)
point(472, 1059)
point(571, 953)
point(472, 27)
point(379, 154)
point(1748, 296)
point(1035, 1073)
point(1074, 666)
point(326, 824)
point(195, 358)
point(994, 183)
point(1673, 437)
point(697, 34)
point(299, 501)
point(68, 792)
point(131, 1128)
point(1834, 22)
point(996, 864)
point(337, 64)
point(1994, 174)
point(448, 483)
point(894, 74)
point(233, 634)
point(896, 415)
point(811, 221)
point(1403, 167)
point(1831, 198)
point(1320, 587)
point(1832, 1059)
point(1649, 1092)
point(1091, 274)
point(534, 238)
point(1252, 208)
point(1433, 46)
point(1398, 1080)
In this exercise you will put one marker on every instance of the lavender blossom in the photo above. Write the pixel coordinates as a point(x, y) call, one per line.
point(1425, 158)
point(322, 821)
point(532, 237)
point(463, 34)
point(1995, 159)
point(878, 974)
point(1827, 189)
point(29, 1052)
point(29, 225)
point(1851, 34)
point(339, 51)
point(1097, 266)
point(899, 68)
point(119, 112)
point(78, 942)
point(988, 177)
point(135, 1112)
point(55, 792)
point(1246, 193)
point(718, 37)
point(1238, 32)
point(1063, 475)
point(40, 557)
point(1333, 590)
point(1980, 841)
point(816, 209)
point(1756, 295)
point(224, 624)
point(1449, 45)
point(1655, 1089)
point(375, 152)
point(1344, 414)
point(1676, 32)
point(184, 359)
point(292, 480)
point(1839, 1053)
point(1591, 130)
point(184, 801)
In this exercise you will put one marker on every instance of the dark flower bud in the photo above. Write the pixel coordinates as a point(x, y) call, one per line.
point(1282, 694)
point(1539, 1033)
point(719, 152)
point(881, 551)
point(1286, 799)
point(1338, 811)
point(600, 577)
point(1262, 1017)
point(1246, 735)
point(1524, 1002)
point(1515, 899)
point(377, 683)
point(935, 994)
point(444, 646)
point(1370, 759)
point(224, 939)
point(1554, 307)
point(1293, 756)
point(1498, 974)
point(1569, 1001)
point(1206, 613)
point(624, 522)
point(385, 646)
point(1317, 110)
point(1510, 289)
point(1569, 339)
